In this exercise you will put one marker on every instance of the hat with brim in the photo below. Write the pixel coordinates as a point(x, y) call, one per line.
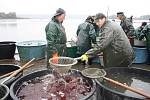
point(99, 16)
point(59, 11)
point(120, 13)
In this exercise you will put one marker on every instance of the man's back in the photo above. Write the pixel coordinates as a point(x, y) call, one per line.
point(85, 34)
point(119, 47)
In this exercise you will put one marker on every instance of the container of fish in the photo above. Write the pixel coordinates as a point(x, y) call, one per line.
point(134, 77)
point(45, 85)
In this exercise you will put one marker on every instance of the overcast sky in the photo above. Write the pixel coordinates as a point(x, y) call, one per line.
point(76, 7)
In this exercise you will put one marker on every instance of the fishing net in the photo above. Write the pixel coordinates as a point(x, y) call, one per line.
point(95, 73)
point(62, 64)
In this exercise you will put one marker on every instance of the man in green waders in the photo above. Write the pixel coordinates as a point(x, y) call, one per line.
point(56, 36)
point(113, 42)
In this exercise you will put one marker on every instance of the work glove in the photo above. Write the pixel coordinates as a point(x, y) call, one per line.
point(84, 58)
point(55, 58)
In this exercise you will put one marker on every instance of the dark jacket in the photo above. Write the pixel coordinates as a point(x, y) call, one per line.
point(86, 36)
point(127, 27)
point(138, 32)
point(114, 44)
point(56, 38)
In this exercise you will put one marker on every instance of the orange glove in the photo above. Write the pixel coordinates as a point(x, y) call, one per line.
point(55, 58)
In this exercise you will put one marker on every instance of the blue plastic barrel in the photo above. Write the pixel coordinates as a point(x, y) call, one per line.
point(31, 49)
point(141, 54)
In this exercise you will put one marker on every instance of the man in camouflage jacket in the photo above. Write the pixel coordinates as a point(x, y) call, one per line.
point(113, 42)
point(126, 24)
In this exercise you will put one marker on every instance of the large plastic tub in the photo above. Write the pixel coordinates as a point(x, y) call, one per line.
point(135, 77)
point(4, 69)
point(17, 84)
point(4, 92)
point(141, 55)
point(31, 49)
point(71, 49)
point(7, 68)
point(7, 49)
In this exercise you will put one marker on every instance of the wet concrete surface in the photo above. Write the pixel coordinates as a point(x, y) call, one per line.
point(41, 65)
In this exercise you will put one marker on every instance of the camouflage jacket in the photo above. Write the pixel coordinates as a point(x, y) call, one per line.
point(138, 32)
point(127, 27)
point(114, 44)
point(146, 34)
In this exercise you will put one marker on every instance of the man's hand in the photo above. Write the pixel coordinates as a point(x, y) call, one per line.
point(84, 58)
